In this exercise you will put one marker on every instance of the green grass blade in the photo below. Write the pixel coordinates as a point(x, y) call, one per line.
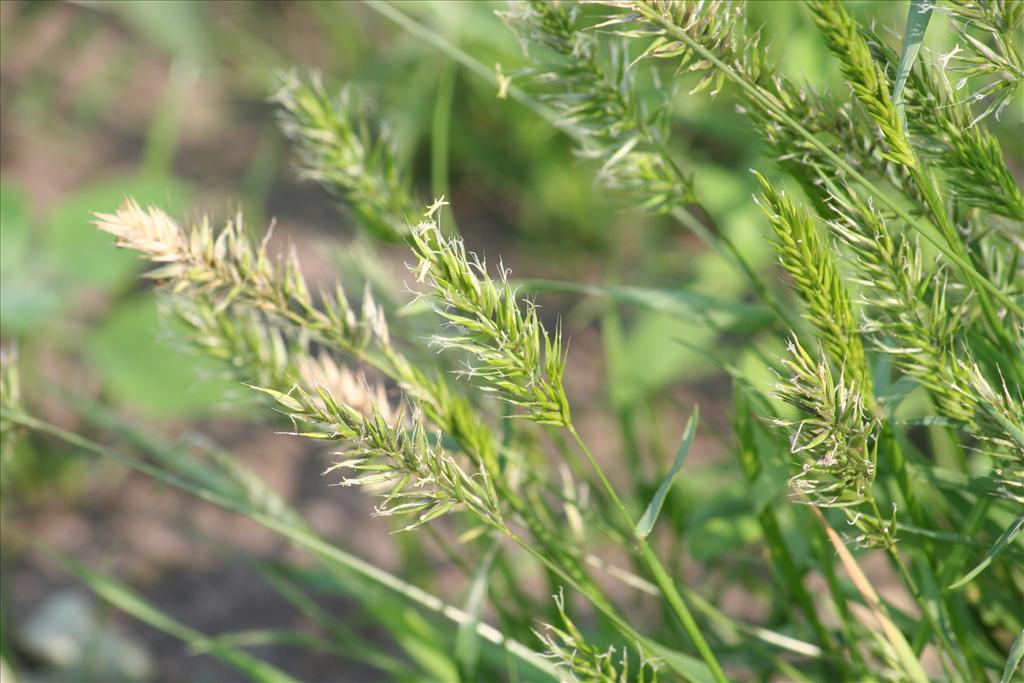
point(926, 229)
point(467, 641)
point(1013, 661)
point(260, 637)
point(440, 131)
point(289, 529)
point(646, 522)
point(357, 647)
point(918, 16)
point(1000, 545)
point(679, 303)
point(129, 602)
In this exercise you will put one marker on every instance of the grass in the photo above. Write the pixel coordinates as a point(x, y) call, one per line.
point(893, 428)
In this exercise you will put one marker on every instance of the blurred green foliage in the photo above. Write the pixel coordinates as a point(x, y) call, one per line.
point(166, 102)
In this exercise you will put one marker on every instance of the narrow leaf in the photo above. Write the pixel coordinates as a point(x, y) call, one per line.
point(126, 600)
point(1013, 661)
point(467, 641)
point(680, 303)
point(285, 524)
point(1000, 545)
point(646, 523)
point(918, 16)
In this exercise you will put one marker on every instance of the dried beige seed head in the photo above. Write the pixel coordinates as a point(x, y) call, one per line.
point(150, 231)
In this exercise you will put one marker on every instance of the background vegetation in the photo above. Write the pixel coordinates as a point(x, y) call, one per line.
point(171, 103)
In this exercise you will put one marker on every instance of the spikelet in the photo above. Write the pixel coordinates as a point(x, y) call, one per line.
point(836, 438)
point(870, 85)
point(597, 101)
point(579, 661)
point(339, 147)
point(225, 267)
point(816, 279)
point(515, 356)
point(987, 51)
point(397, 457)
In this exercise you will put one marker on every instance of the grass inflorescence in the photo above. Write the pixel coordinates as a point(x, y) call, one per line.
point(895, 422)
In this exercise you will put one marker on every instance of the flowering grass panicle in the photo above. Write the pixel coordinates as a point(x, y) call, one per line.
point(836, 439)
point(869, 82)
point(895, 322)
point(816, 279)
point(912, 315)
point(579, 661)
point(946, 134)
point(389, 451)
point(597, 101)
point(249, 346)
point(225, 267)
point(340, 148)
point(226, 288)
point(515, 357)
point(987, 52)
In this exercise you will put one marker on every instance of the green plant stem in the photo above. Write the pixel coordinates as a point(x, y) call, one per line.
point(953, 562)
point(603, 606)
point(926, 182)
point(288, 529)
point(720, 243)
point(777, 110)
point(930, 617)
point(650, 559)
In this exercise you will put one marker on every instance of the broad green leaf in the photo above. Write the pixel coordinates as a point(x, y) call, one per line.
point(86, 256)
point(126, 600)
point(1000, 545)
point(918, 16)
point(647, 520)
point(1013, 661)
point(144, 365)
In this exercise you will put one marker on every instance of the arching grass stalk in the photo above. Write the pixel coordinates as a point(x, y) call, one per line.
point(280, 522)
point(219, 277)
point(871, 87)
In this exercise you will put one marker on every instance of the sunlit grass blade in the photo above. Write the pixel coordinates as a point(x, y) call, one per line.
point(467, 641)
point(911, 666)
